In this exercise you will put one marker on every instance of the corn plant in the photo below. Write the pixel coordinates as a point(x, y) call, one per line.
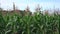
point(28, 24)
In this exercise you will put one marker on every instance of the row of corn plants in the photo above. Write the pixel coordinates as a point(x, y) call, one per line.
point(28, 24)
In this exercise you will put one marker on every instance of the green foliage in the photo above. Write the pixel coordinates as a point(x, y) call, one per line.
point(36, 24)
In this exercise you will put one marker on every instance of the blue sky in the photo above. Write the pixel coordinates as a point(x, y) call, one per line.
point(22, 4)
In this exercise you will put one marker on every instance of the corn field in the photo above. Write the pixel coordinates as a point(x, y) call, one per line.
point(28, 24)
